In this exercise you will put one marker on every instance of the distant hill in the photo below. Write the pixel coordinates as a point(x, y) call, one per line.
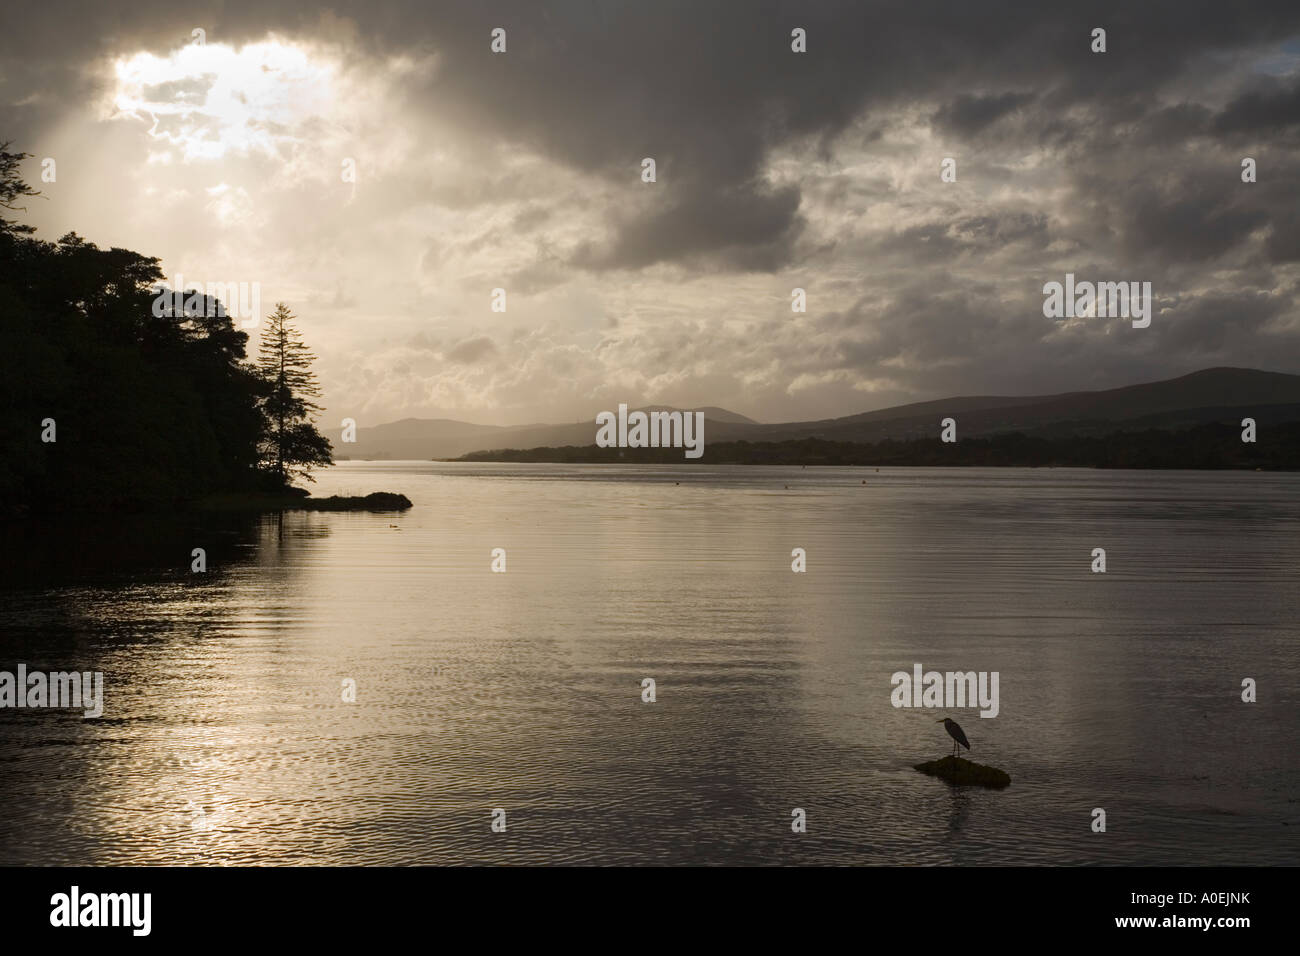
point(1214, 445)
point(417, 438)
point(1210, 395)
point(425, 438)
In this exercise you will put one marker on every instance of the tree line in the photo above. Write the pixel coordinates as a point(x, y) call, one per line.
point(1214, 445)
point(106, 404)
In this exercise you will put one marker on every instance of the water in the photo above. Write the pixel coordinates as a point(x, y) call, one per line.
point(225, 739)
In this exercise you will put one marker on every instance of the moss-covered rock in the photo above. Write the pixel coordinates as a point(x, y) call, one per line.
point(965, 773)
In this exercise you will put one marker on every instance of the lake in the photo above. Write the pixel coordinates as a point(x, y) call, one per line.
point(226, 738)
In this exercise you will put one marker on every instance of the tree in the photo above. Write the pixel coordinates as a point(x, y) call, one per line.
point(152, 411)
point(13, 188)
point(291, 444)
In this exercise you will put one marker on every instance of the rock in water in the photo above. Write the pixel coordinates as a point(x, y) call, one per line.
point(378, 501)
point(965, 773)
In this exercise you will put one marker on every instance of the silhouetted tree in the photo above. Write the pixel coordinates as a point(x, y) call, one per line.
point(292, 445)
point(12, 188)
point(153, 409)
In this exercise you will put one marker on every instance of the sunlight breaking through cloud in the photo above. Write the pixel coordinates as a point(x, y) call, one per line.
point(208, 100)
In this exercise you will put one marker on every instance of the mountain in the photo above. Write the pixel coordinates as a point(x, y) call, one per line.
point(711, 414)
point(1210, 395)
point(1215, 394)
point(425, 438)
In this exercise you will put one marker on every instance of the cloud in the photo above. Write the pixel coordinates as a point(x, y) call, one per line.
point(471, 351)
point(1269, 111)
point(970, 115)
point(735, 228)
point(818, 170)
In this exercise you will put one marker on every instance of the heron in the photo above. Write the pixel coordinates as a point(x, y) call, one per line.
point(955, 732)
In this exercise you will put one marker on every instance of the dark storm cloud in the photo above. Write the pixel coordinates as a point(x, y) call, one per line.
point(931, 324)
point(1135, 154)
point(1208, 323)
point(710, 91)
point(1195, 219)
point(1159, 208)
point(1283, 243)
point(1175, 124)
point(1268, 111)
point(740, 228)
point(968, 115)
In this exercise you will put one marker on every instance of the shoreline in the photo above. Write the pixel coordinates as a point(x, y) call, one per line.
point(377, 501)
point(234, 503)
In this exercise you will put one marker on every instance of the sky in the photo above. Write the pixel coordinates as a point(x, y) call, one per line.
point(225, 154)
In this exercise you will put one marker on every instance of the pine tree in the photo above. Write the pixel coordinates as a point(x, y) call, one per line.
point(291, 444)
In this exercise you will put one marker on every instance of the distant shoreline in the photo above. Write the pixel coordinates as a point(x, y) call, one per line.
point(1205, 447)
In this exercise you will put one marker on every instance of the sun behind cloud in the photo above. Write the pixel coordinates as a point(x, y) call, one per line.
point(207, 100)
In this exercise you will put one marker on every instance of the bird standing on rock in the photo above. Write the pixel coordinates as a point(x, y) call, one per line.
point(955, 732)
